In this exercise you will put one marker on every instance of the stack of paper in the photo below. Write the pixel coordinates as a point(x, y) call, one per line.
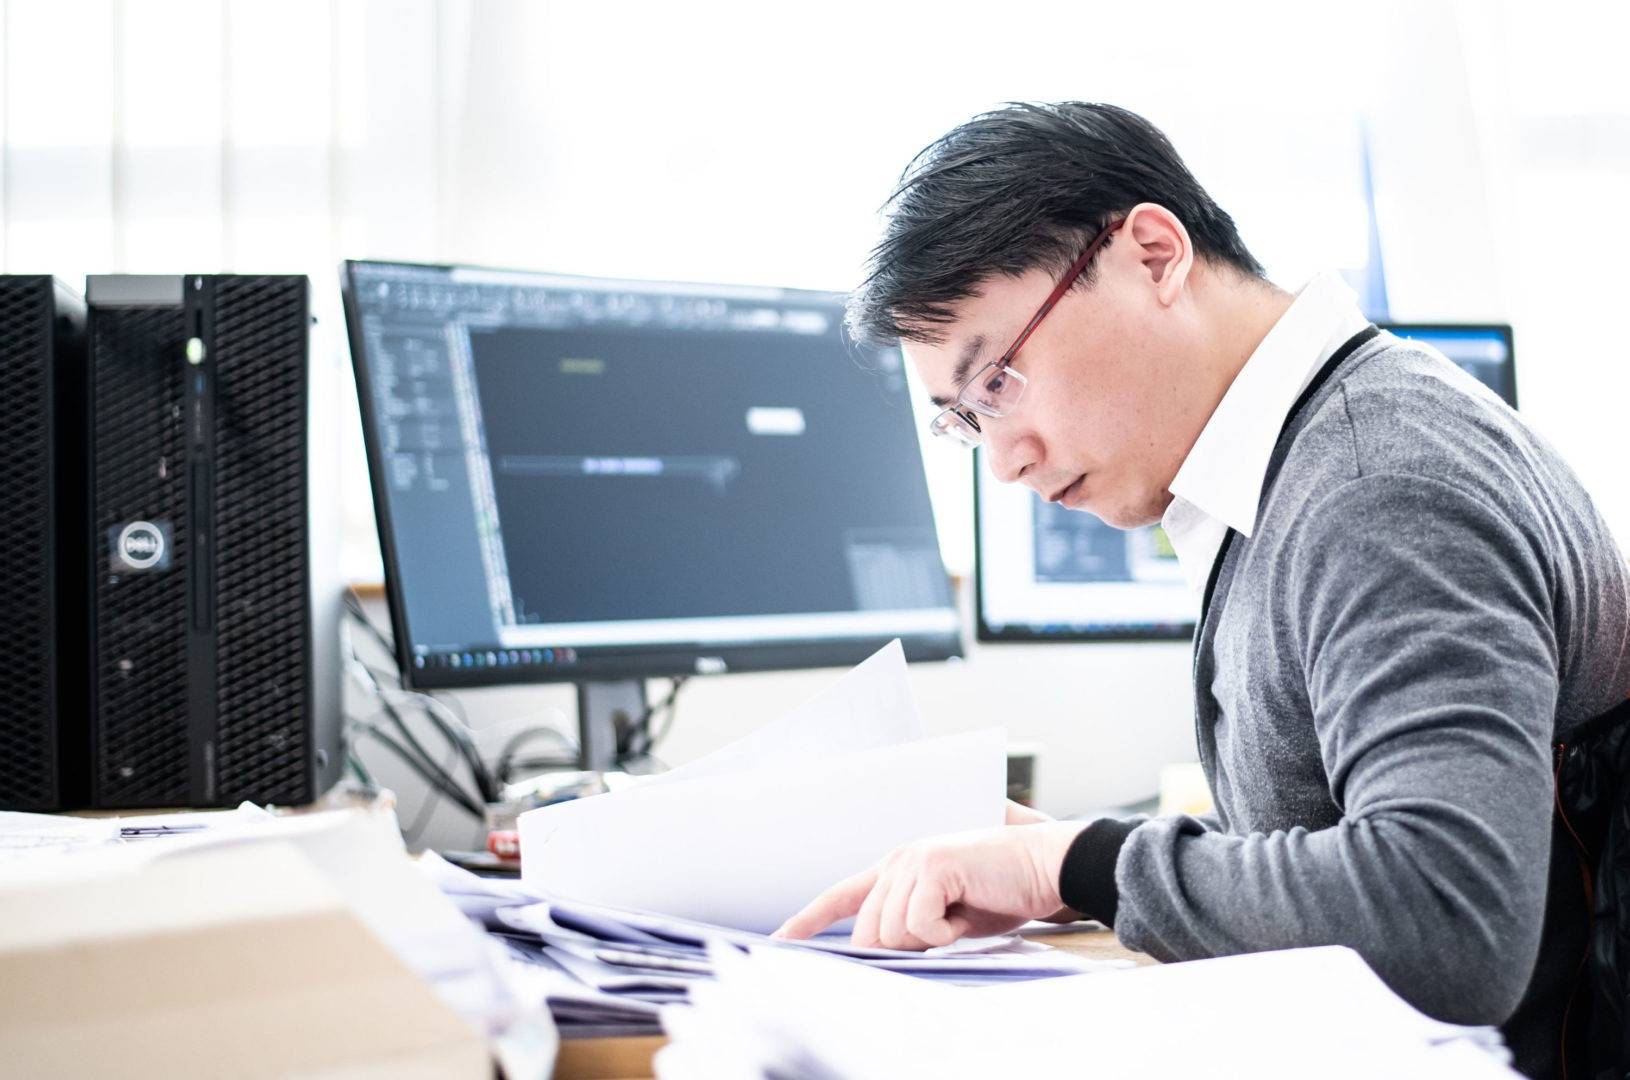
point(747, 836)
point(622, 894)
point(606, 970)
point(1303, 1012)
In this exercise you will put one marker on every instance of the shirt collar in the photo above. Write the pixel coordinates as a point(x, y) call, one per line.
point(1219, 485)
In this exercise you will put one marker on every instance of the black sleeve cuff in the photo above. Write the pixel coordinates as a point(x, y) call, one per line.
point(1086, 881)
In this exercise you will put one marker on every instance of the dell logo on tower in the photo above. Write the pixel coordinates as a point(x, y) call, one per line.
point(141, 545)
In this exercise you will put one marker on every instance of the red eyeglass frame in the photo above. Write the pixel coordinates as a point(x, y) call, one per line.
point(1063, 286)
point(966, 413)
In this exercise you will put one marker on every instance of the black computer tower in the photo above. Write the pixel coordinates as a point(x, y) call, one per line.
point(43, 703)
point(214, 605)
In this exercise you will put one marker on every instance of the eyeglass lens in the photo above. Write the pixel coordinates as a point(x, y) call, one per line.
point(995, 391)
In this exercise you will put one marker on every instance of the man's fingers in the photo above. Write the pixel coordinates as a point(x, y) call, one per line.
point(933, 918)
point(865, 933)
point(925, 917)
point(834, 905)
point(892, 930)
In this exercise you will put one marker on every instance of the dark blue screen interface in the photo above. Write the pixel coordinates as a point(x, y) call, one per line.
point(574, 467)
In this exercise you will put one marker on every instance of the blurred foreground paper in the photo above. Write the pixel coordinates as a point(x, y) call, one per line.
point(1290, 1014)
point(747, 836)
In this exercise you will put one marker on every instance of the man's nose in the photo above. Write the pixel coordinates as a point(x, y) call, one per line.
point(1009, 456)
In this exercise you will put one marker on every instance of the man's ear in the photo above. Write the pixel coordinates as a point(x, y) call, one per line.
point(1160, 244)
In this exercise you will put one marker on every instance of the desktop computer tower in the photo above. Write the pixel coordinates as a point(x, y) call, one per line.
point(213, 594)
point(42, 705)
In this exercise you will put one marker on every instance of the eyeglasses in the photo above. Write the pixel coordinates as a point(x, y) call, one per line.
point(995, 389)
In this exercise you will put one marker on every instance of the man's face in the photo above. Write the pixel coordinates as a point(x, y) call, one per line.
point(1112, 406)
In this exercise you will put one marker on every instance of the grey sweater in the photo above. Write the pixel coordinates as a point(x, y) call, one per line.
point(1428, 601)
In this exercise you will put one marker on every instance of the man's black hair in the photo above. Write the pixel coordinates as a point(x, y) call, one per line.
point(1022, 187)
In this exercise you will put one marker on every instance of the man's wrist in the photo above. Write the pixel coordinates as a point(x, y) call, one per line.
point(1086, 872)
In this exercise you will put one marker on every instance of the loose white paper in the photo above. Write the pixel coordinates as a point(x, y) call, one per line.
point(870, 706)
point(747, 836)
point(749, 849)
point(1260, 1016)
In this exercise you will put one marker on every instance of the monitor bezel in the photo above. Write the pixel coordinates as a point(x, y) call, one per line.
point(663, 660)
point(984, 633)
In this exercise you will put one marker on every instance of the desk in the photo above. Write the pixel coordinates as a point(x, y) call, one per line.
point(630, 1058)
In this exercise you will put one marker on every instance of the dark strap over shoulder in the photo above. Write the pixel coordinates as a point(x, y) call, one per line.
point(1593, 804)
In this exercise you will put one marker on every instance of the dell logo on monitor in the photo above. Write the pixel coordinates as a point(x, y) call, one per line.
point(710, 665)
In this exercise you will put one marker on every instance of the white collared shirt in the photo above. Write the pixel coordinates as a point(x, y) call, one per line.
point(1219, 485)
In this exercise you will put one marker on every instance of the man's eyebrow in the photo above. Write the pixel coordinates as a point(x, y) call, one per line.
point(970, 353)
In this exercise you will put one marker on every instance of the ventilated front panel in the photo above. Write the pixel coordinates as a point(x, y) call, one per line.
point(27, 706)
point(141, 616)
point(262, 612)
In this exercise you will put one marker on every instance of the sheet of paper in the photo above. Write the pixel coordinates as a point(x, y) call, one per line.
point(748, 849)
point(455, 880)
point(642, 984)
point(42, 845)
point(545, 977)
point(1007, 954)
point(870, 706)
point(1260, 1016)
point(24, 833)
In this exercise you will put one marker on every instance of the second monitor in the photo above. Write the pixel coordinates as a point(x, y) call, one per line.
point(1045, 573)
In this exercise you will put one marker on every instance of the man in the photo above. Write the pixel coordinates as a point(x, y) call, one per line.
point(1407, 597)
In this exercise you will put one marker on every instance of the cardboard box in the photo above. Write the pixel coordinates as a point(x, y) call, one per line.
point(240, 961)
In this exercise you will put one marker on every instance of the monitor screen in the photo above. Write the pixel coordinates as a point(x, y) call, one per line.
point(1044, 573)
point(587, 479)
point(1483, 350)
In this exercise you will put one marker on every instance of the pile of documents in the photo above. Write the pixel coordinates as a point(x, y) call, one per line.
point(1297, 1013)
point(609, 971)
point(623, 893)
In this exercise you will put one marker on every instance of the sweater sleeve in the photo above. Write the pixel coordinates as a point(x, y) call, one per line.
point(1424, 629)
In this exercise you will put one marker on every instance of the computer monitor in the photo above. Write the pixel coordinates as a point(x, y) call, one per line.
point(1044, 573)
point(1484, 350)
point(598, 481)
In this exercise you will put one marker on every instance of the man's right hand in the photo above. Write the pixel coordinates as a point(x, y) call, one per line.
point(1019, 814)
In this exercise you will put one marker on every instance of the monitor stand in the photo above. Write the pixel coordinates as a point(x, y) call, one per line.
point(604, 708)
